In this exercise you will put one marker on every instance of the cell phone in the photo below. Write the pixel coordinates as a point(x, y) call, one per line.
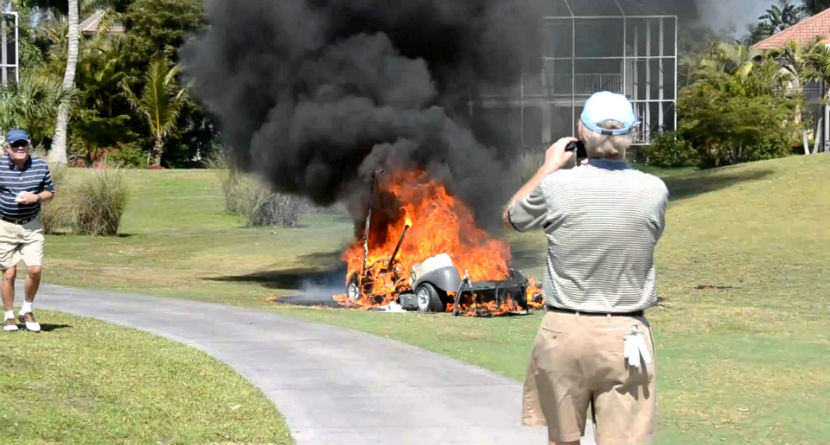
point(579, 147)
point(575, 145)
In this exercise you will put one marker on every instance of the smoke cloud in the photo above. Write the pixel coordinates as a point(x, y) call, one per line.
point(316, 94)
point(732, 16)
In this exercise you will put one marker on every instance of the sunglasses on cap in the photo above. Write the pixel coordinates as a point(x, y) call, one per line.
point(19, 144)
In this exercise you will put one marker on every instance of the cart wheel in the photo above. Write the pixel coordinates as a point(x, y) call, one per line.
point(353, 289)
point(428, 298)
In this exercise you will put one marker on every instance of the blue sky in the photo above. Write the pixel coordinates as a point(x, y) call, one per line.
point(737, 14)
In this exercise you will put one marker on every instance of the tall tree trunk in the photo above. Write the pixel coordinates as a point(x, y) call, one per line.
point(158, 150)
point(58, 152)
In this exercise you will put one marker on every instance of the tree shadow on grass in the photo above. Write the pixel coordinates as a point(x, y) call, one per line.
point(321, 270)
point(297, 278)
point(704, 182)
point(63, 233)
point(321, 259)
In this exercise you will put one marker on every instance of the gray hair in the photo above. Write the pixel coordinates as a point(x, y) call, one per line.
point(603, 146)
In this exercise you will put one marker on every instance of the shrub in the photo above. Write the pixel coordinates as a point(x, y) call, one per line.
point(126, 154)
point(272, 209)
point(122, 154)
point(747, 115)
point(256, 204)
point(30, 104)
point(669, 150)
point(98, 201)
point(57, 214)
point(90, 203)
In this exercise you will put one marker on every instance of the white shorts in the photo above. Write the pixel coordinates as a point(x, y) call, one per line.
point(21, 242)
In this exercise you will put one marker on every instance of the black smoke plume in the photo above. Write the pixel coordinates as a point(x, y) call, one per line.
point(316, 94)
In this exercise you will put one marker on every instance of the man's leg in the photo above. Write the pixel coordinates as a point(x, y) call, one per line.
point(32, 282)
point(9, 257)
point(7, 289)
point(32, 254)
point(625, 404)
point(558, 383)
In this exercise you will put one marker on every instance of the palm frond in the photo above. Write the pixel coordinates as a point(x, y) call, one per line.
point(161, 98)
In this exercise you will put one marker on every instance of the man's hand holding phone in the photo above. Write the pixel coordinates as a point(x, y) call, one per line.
point(557, 155)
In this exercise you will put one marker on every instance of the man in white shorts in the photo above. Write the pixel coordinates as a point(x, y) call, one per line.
point(25, 183)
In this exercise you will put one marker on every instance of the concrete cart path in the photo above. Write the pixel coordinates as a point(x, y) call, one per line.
point(333, 385)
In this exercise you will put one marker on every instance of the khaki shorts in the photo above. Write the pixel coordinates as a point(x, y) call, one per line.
point(21, 242)
point(577, 362)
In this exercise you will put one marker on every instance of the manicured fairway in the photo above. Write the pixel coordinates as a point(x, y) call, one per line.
point(743, 339)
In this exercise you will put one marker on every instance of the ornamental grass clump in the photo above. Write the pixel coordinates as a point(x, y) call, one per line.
point(57, 214)
point(98, 201)
point(257, 205)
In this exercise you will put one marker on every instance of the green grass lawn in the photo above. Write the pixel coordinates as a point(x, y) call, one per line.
point(87, 382)
point(742, 334)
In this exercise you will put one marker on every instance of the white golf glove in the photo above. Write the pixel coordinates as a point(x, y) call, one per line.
point(635, 347)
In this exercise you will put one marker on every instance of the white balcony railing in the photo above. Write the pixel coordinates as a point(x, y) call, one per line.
point(586, 84)
point(560, 85)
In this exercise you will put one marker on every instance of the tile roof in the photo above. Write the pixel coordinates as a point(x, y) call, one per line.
point(804, 32)
point(92, 24)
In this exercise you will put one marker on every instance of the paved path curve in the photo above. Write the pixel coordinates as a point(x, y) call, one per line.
point(333, 385)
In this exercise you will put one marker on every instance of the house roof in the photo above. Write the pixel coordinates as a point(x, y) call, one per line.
point(93, 24)
point(804, 32)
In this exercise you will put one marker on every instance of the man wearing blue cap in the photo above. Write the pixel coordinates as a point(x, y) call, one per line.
point(602, 221)
point(25, 183)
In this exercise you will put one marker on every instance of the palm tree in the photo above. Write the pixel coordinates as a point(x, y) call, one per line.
point(818, 60)
point(159, 103)
point(782, 16)
point(775, 19)
point(30, 104)
point(808, 64)
point(58, 152)
point(732, 59)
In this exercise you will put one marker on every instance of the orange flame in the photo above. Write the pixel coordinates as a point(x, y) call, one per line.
point(435, 222)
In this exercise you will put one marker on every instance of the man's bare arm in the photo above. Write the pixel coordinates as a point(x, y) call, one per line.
point(31, 198)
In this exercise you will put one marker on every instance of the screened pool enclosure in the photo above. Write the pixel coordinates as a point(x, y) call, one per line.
point(588, 46)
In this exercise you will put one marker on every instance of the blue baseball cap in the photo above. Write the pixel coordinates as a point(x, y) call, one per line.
point(605, 105)
point(17, 135)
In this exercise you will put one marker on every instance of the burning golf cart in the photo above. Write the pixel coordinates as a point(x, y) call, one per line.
point(419, 267)
point(435, 285)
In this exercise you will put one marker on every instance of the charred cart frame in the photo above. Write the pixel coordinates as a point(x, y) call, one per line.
point(434, 279)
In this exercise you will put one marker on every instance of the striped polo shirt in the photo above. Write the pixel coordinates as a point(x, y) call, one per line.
point(602, 222)
point(34, 177)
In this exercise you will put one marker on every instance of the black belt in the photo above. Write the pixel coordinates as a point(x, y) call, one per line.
point(19, 221)
point(639, 313)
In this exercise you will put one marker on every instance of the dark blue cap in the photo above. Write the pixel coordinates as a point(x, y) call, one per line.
point(17, 135)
